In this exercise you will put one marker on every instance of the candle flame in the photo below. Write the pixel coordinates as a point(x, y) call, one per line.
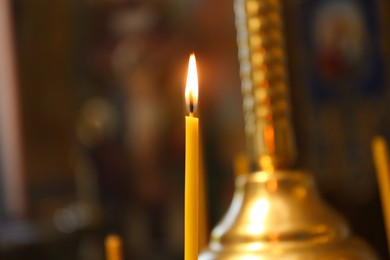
point(191, 93)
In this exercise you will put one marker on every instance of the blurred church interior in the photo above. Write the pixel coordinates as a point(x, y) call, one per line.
point(92, 117)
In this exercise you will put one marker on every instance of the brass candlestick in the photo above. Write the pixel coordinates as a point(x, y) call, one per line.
point(276, 212)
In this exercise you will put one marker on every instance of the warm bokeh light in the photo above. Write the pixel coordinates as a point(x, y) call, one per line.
point(191, 93)
point(258, 214)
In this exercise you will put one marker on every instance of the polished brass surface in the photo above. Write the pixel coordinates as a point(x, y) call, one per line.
point(280, 216)
point(276, 212)
point(264, 84)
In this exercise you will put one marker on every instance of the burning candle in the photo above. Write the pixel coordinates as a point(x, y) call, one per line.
point(191, 165)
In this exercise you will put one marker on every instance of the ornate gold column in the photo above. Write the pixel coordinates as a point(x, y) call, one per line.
point(264, 83)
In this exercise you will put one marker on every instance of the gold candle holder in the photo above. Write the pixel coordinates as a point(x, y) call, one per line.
point(264, 83)
point(276, 212)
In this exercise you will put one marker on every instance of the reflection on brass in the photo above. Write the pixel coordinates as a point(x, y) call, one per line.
point(280, 216)
point(276, 212)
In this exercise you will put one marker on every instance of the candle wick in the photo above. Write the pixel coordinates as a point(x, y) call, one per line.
point(191, 107)
point(191, 103)
point(191, 114)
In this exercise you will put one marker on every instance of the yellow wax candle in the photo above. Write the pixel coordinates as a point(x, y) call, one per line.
point(191, 166)
point(381, 161)
point(113, 246)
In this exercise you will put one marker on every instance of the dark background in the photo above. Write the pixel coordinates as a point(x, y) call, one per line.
point(101, 88)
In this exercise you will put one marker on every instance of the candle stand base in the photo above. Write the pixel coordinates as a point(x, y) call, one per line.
point(280, 216)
